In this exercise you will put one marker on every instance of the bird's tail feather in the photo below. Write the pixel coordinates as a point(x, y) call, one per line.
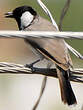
point(67, 93)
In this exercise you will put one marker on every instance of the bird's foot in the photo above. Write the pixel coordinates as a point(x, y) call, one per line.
point(31, 65)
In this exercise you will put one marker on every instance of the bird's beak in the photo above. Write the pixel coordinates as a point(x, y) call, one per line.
point(9, 15)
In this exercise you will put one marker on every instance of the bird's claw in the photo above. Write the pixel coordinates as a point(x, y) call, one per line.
point(30, 66)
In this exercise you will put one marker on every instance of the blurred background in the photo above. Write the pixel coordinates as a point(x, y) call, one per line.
point(20, 92)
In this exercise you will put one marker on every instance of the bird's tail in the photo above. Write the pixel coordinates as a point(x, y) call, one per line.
point(67, 93)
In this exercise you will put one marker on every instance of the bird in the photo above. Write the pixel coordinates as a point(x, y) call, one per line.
point(53, 50)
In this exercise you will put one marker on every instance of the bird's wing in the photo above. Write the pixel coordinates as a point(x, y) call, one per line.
point(56, 47)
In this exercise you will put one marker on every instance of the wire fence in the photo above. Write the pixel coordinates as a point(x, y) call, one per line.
point(12, 68)
point(39, 34)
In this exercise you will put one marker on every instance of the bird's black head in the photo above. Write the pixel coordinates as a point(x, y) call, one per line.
point(23, 15)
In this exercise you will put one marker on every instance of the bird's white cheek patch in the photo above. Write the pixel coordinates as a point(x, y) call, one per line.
point(26, 19)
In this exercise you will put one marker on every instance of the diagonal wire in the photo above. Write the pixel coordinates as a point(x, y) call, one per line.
point(48, 13)
point(63, 13)
point(41, 93)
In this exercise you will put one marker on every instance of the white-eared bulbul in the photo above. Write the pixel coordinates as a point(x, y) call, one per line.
point(53, 50)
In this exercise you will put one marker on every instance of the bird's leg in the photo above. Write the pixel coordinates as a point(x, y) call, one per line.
point(31, 65)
